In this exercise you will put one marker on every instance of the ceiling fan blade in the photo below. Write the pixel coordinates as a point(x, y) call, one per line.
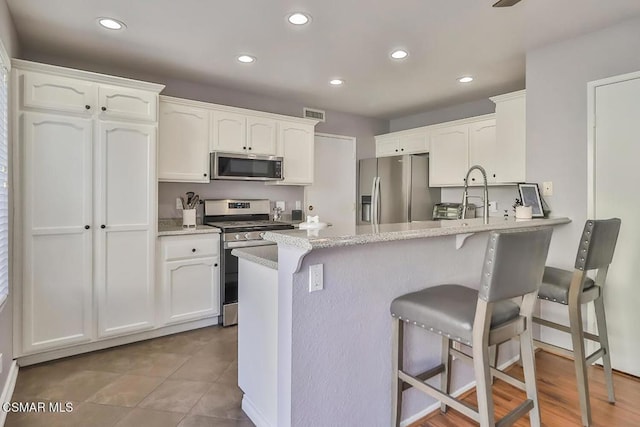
point(505, 3)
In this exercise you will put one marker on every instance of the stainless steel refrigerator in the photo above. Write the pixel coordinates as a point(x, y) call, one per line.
point(395, 189)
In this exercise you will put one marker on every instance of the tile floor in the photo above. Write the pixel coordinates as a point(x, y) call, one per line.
point(184, 380)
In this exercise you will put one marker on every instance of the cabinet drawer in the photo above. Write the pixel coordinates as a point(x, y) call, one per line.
point(181, 247)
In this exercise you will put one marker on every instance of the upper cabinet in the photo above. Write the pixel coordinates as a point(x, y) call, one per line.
point(183, 154)
point(190, 130)
point(239, 133)
point(52, 92)
point(511, 136)
point(497, 142)
point(404, 142)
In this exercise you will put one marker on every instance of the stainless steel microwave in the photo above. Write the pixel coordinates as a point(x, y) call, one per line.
point(246, 167)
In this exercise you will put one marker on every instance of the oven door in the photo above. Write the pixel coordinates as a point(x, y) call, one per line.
point(246, 167)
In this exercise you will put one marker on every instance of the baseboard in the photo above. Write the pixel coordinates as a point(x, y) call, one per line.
point(459, 392)
point(7, 390)
point(45, 356)
point(254, 414)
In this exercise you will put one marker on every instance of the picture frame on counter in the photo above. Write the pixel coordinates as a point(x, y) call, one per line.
point(530, 196)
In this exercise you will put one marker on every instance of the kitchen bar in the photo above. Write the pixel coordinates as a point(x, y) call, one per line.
point(332, 361)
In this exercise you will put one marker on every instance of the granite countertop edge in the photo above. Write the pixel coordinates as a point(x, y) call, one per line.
point(262, 255)
point(320, 241)
point(173, 227)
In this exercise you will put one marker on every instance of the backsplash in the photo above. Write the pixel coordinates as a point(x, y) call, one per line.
point(504, 195)
point(168, 191)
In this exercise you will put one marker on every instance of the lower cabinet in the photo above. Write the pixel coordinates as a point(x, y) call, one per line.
point(190, 277)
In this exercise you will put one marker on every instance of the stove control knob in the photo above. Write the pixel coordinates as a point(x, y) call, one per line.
point(262, 235)
point(247, 236)
point(237, 237)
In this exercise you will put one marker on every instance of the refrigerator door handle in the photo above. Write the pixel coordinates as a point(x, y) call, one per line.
point(378, 201)
point(374, 205)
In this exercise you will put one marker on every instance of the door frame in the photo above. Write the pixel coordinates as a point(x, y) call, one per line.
point(591, 164)
point(354, 143)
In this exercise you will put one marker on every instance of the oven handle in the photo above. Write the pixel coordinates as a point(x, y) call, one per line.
point(247, 244)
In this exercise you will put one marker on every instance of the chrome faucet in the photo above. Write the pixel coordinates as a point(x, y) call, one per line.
point(465, 195)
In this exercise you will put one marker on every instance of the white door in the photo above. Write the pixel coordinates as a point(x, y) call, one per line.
point(333, 193)
point(183, 145)
point(449, 156)
point(483, 150)
point(60, 94)
point(57, 289)
point(295, 144)
point(117, 102)
point(125, 212)
point(261, 136)
point(616, 154)
point(229, 132)
point(191, 289)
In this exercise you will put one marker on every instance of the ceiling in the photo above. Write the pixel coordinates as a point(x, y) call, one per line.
point(199, 40)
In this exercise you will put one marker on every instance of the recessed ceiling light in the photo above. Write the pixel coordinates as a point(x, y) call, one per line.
point(111, 24)
point(399, 54)
point(465, 79)
point(246, 59)
point(298, 18)
point(336, 82)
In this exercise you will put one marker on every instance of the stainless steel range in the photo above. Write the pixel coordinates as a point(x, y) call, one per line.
point(243, 222)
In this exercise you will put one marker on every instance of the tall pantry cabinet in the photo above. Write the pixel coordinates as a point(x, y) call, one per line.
point(86, 190)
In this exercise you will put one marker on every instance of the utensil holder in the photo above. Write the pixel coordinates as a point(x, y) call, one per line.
point(188, 218)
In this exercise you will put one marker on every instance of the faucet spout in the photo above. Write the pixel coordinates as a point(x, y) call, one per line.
point(465, 195)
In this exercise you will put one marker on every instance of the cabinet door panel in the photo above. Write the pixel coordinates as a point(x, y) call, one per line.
point(129, 104)
point(414, 143)
point(191, 289)
point(261, 135)
point(57, 262)
point(296, 145)
point(183, 145)
point(58, 93)
point(229, 132)
point(511, 137)
point(448, 156)
point(483, 150)
point(126, 207)
point(387, 146)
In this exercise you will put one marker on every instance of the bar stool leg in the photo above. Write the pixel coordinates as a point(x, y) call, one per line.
point(528, 360)
point(575, 322)
point(481, 363)
point(445, 377)
point(604, 343)
point(397, 360)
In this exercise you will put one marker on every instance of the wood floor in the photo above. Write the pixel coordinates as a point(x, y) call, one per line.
point(558, 397)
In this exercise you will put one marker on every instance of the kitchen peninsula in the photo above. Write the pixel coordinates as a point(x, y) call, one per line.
point(323, 358)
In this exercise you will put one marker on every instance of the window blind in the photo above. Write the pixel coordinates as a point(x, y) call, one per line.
point(4, 181)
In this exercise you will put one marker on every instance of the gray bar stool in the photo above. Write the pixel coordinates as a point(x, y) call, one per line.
point(513, 267)
point(574, 288)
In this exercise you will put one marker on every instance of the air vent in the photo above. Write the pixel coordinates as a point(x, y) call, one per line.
point(310, 113)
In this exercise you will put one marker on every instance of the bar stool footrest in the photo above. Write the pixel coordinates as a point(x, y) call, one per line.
point(425, 375)
point(515, 414)
point(564, 328)
point(494, 371)
point(595, 356)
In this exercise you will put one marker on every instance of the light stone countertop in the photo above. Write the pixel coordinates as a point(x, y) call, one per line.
point(337, 236)
point(173, 227)
point(263, 255)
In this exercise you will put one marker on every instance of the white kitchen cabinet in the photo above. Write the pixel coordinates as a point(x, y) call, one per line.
point(511, 136)
point(118, 103)
point(229, 132)
point(76, 96)
point(190, 277)
point(183, 143)
point(86, 204)
point(399, 143)
point(483, 151)
point(261, 135)
point(296, 146)
point(449, 155)
point(126, 238)
point(57, 223)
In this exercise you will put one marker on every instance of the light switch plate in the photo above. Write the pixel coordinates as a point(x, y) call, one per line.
point(178, 203)
point(280, 204)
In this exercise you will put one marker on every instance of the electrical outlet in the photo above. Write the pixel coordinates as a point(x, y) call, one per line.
point(280, 204)
point(315, 277)
point(493, 206)
point(298, 205)
point(547, 188)
point(178, 203)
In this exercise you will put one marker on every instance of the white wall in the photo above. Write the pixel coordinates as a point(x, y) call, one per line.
point(10, 42)
point(557, 77)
